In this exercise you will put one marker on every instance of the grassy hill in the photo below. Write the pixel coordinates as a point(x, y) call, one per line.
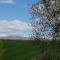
point(29, 50)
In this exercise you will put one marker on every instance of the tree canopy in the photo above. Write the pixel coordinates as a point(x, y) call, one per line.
point(47, 15)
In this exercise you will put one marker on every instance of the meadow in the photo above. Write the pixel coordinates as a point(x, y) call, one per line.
point(17, 50)
point(29, 50)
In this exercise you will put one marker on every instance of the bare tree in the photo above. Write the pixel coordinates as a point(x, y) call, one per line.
point(46, 14)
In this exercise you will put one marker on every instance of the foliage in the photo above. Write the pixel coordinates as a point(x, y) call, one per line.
point(46, 15)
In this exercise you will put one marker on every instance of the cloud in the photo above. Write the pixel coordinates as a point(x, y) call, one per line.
point(17, 27)
point(15, 24)
point(7, 1)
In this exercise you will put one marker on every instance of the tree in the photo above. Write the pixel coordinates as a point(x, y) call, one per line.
point(52, 9)
point(48, 13)
point(40, 24)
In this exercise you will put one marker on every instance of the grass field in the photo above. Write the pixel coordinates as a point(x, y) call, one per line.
point(29, 50)
point(17, 50)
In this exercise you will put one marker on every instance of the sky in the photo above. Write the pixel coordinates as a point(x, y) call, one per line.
point(15, 18)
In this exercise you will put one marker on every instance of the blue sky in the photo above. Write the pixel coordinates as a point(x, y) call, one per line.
point(15, 17)
point(17, 9)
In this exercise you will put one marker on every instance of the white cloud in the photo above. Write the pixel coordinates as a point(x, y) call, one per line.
point(17, 27)
point(15, 24)
point(7, 1)
point(2, 35)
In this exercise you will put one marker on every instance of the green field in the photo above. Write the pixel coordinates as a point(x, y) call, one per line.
point(17, 50)
point(29, 50)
